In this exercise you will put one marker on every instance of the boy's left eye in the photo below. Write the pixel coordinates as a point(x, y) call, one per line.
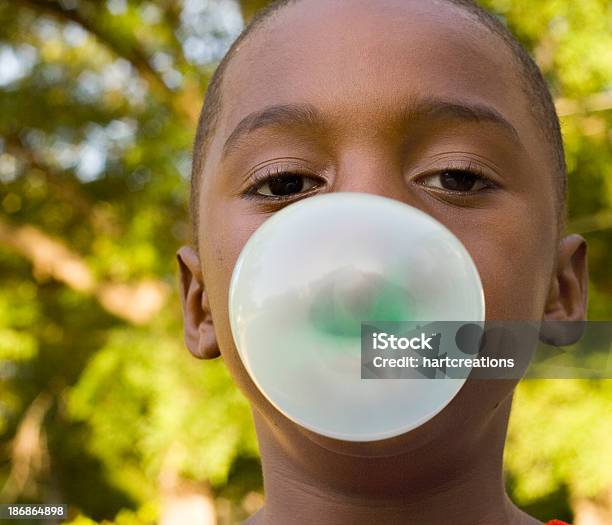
point(285, 185)
point(456, 181)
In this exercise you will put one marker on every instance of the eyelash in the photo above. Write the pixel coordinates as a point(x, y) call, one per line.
point(460, 167)
point(268, 173)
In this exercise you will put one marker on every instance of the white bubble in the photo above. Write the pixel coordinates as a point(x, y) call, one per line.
point(308, 278)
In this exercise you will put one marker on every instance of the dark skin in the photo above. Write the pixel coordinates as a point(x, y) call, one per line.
point(388, 84)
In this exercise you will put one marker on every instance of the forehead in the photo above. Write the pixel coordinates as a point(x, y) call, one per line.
point(369, 55)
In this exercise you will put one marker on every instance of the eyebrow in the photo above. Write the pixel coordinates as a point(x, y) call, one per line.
point(438, 109)
point(307, 115)
point(278, 115)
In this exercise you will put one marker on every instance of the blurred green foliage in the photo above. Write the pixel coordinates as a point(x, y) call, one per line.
point(100, 407)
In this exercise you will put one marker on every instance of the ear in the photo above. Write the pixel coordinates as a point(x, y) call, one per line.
point(199, 332)
point(567, 297)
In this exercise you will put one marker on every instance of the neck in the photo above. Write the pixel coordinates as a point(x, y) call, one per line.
point(447, 480)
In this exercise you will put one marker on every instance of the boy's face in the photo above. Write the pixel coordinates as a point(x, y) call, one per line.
point(411, 100)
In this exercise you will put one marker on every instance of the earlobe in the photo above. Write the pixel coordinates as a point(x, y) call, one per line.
point(566, 306)
point(199, 331)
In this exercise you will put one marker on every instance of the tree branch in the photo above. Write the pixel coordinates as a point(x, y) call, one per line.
point(136, 303)
point(131, 50)
point(29, 452)
point(591, 223)
point(593, 103)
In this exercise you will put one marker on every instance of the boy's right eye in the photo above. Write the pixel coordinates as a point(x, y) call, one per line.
point(284, 184)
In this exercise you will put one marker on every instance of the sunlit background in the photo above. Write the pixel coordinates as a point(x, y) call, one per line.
point(100, 406)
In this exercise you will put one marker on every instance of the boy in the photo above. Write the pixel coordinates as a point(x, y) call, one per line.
point(432, 103)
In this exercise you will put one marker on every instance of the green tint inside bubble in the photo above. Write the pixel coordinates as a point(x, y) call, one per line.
point(349, 300)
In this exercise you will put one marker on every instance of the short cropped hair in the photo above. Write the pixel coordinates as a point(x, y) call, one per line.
point(534, 87)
